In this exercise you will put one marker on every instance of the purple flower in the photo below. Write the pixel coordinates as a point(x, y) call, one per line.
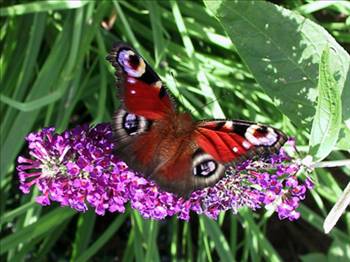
point(78, 169)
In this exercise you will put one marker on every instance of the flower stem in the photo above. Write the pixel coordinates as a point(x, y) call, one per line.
point(337, 210)
point(336, 163)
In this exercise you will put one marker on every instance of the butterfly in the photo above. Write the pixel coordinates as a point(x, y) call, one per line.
point(181, 155)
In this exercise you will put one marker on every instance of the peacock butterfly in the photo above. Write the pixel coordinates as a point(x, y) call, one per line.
point(178, 153)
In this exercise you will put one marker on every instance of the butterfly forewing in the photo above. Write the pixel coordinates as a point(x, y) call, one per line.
point(140, 88)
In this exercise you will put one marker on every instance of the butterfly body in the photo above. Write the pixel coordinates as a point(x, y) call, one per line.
point(168, 146)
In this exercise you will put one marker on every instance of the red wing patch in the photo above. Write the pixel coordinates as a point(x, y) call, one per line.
point(145, 100)
point(227, 141)
point(140, 88)
point(224, 147)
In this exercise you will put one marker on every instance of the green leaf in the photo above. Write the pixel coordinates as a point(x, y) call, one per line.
point(157, 31)
point(105, 236)
point(219, 239)
point(327, 120)
point(24, 121)
point(314, 257)
point(10, 215)
point(282, 49)
point(41, 6)
point(85, 227)
point(339, 252)
point(43, 225)
point(316, 221)
point(266, 247)
point(344, 139)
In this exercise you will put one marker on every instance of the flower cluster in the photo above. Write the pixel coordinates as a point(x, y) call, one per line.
point(78, 168)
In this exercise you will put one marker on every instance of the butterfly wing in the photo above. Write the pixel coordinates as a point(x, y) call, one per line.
point(218, 144)
point(140, 88)
point(200, 159)
point(233, 141)
point(144, 103)
point(188, 170)
point(179, 154)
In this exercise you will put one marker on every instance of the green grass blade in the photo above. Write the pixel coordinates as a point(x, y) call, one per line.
point(139, 237)
point(50, 241)
point(41, 6)
point(157, 31)
point(16, 212)
point(25, 73)
point(265, 248)
point(32, 105)
point(24, 121)
point(129, 250)
point(152, 252)
point(42, 226)
point(103, 80)
point(316, 221)
point(213, 108)
point(221, 244)
point(105, 236)
point(204, 239)
point(85, 227)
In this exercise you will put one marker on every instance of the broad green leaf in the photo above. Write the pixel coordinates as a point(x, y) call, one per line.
point(327, 120)
point(283, 49)
point(344, 139)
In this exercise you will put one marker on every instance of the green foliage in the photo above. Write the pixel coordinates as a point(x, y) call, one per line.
point(289, 73)
point(327, 120)
point(233, 59)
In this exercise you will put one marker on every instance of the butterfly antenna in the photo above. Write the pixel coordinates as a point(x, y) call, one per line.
point(174, 80)
point(180, 98)
point(210, 102)
point(178, 94)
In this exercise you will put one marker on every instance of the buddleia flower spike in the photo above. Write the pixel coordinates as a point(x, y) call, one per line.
point(77, 168)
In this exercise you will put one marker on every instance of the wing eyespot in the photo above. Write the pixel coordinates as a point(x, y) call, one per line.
point(261, 135)
point(206, 168)
point(130, 124)
point(131, 63)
